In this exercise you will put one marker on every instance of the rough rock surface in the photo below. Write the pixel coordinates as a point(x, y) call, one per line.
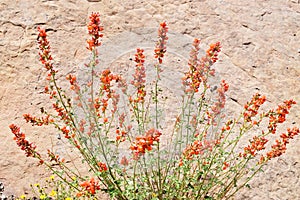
point(260, 39)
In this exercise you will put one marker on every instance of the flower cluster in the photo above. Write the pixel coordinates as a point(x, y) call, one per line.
point(106, 78)
point(144, 143)
point(21, 141)
point(107, 93)
point(225, 165)
point(217, 107)
point(94, 29)
point(139, 76)
point(200, 68)
point(61, 112)
point(279, 115)
point(120, 135)
point(35, 121)
point(213, 51)
point(279, 147)
point(90, 186)
point(73, 82)
point(52, 93)
point(69, 133)
point(275, 116)
point(66, 132)
point(102, 167)
point(227, 126)
point(251, 108)
point(122, 130)
point(196, 148)
point(160, 48)
point(207, 61)
point(45, 56)
point(55, 158)
point(193, 77)
point(256, 144)
point(193, 60)
point(124, 161)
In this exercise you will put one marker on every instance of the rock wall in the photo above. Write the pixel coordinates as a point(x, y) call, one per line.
point(260, 53)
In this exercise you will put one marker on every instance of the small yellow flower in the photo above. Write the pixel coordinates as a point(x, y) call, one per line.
point(43, 196)
point(154, 195)
point(23, 196)
point(37, 185)
point(52, 177)
point(68, 198)
point(52, 193)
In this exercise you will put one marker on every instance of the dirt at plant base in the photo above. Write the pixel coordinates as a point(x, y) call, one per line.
point(260, 53)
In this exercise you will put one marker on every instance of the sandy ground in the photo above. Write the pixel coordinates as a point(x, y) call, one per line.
point(261, 53)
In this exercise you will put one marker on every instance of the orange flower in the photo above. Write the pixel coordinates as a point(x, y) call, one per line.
point(102, 167)
point(197, 148)
point(139, 77)
point(160, 48)
point(180, 162)
point(45, 56)
point(73, 82)
point(144, 143)
point(251, 108)
point(217, 107)
point(38, 121)
point(256, 144)
point(90, 186)
point(105, 120)
point(279, 115)
point(94, 29)
point(124, 161)
point(120, 135)
point(192, 78)
point(225, 165)
point(279, 147)
point(65, 131)
point(212, 52)
point(200, 69)
point(42, 32)
point(55, 158)
point(21, 141)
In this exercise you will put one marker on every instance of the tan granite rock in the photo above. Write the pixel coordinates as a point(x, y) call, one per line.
point(260, 53)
